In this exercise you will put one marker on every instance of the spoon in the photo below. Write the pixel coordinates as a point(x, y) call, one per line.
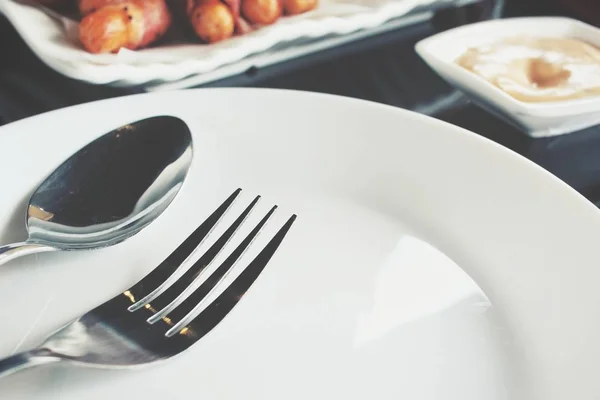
point(109, 190)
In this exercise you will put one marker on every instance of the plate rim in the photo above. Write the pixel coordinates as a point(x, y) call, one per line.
point(459, 131)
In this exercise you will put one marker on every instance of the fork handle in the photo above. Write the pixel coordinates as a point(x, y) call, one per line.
point(26, 359)
point(15, 250)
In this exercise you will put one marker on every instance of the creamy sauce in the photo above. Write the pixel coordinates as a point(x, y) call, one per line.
point(537, 69)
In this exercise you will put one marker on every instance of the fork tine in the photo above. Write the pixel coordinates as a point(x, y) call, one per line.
point(161, 303)
point(215, 278)
point(218, 309)
point(156, 279)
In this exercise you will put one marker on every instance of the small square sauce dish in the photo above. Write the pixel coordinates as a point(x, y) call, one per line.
point(555, 62)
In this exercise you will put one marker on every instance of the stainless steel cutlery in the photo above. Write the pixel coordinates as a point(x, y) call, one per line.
point(109, 190)
point(141, 325)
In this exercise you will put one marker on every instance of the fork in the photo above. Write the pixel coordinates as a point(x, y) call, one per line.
point(144, 325)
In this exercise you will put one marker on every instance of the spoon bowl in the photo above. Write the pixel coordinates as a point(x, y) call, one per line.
point(109, 190)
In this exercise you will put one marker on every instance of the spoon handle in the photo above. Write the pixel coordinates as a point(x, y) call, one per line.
point(12, 251)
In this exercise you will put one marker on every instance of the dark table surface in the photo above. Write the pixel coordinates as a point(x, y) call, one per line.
point(385, 70)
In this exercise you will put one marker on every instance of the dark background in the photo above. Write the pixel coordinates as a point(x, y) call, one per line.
point(384, 69)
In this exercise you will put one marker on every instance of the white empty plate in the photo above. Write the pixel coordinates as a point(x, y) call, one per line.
point(426, 262)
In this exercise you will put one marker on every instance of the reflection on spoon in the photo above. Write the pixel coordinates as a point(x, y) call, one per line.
point(109, 190)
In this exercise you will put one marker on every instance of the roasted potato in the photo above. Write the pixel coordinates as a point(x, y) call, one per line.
point(109, 25)
point(133, 24)
point(89, 6)
point(261, 12)
point(241, 25)
point(158, 19)
point(234, 6)
point(292, 7)
point(212, 21)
